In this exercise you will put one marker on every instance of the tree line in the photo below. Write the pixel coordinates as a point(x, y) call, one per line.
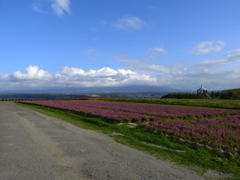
point(226, 94)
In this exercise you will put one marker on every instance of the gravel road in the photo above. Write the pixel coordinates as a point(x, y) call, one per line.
point(36, 146)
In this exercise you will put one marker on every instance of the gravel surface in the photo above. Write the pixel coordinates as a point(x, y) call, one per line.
point(36, 146)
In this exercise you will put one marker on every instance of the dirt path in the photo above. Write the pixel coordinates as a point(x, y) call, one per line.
point(36, 146)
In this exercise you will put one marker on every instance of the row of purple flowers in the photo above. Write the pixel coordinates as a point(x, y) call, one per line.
point(224, 131)
point(131, 111)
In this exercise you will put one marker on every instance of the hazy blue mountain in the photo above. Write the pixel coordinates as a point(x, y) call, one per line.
point(127, 89)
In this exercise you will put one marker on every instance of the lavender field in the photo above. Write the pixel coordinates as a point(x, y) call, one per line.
point(133, 112)
point(222, 132)
point(217, 128)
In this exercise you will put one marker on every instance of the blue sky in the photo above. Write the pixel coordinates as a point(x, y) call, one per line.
point(77, 43)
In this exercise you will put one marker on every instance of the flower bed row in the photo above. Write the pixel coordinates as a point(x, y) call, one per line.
point(223, 133)
point(131, 111)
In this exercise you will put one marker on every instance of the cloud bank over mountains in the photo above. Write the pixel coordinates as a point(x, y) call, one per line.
point(180, 76)
point(35, 78)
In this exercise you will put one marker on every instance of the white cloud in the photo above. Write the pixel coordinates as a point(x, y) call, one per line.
point(148, 68)
point(206, 47)
point(157, 49)
point(33, 77)
point(61, 6)
point(130, 23)
point(231, 57)
point(4, 77)
point(38, 9)
point(234, 55)
point(58, 6)
point(66, 71)
point(212, 63)
point(32, 73)
point(104, 73)
point(101, 77)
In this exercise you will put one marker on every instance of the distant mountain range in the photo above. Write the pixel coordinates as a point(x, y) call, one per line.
point(110, 92)
point(123, 89)
point(138, 91)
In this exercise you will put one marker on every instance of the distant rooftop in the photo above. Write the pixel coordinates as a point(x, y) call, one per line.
point(202, 88)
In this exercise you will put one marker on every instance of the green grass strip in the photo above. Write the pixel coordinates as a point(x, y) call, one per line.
point(201, 103)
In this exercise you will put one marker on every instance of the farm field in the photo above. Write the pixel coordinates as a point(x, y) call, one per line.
point(211, 134)
point(133, 112)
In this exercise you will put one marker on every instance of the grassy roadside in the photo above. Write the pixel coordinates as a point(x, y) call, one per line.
point(157, 145)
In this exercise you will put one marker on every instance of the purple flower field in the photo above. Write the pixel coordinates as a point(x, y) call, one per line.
point(133, 112)
point(211, 126)
point(224, 132)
